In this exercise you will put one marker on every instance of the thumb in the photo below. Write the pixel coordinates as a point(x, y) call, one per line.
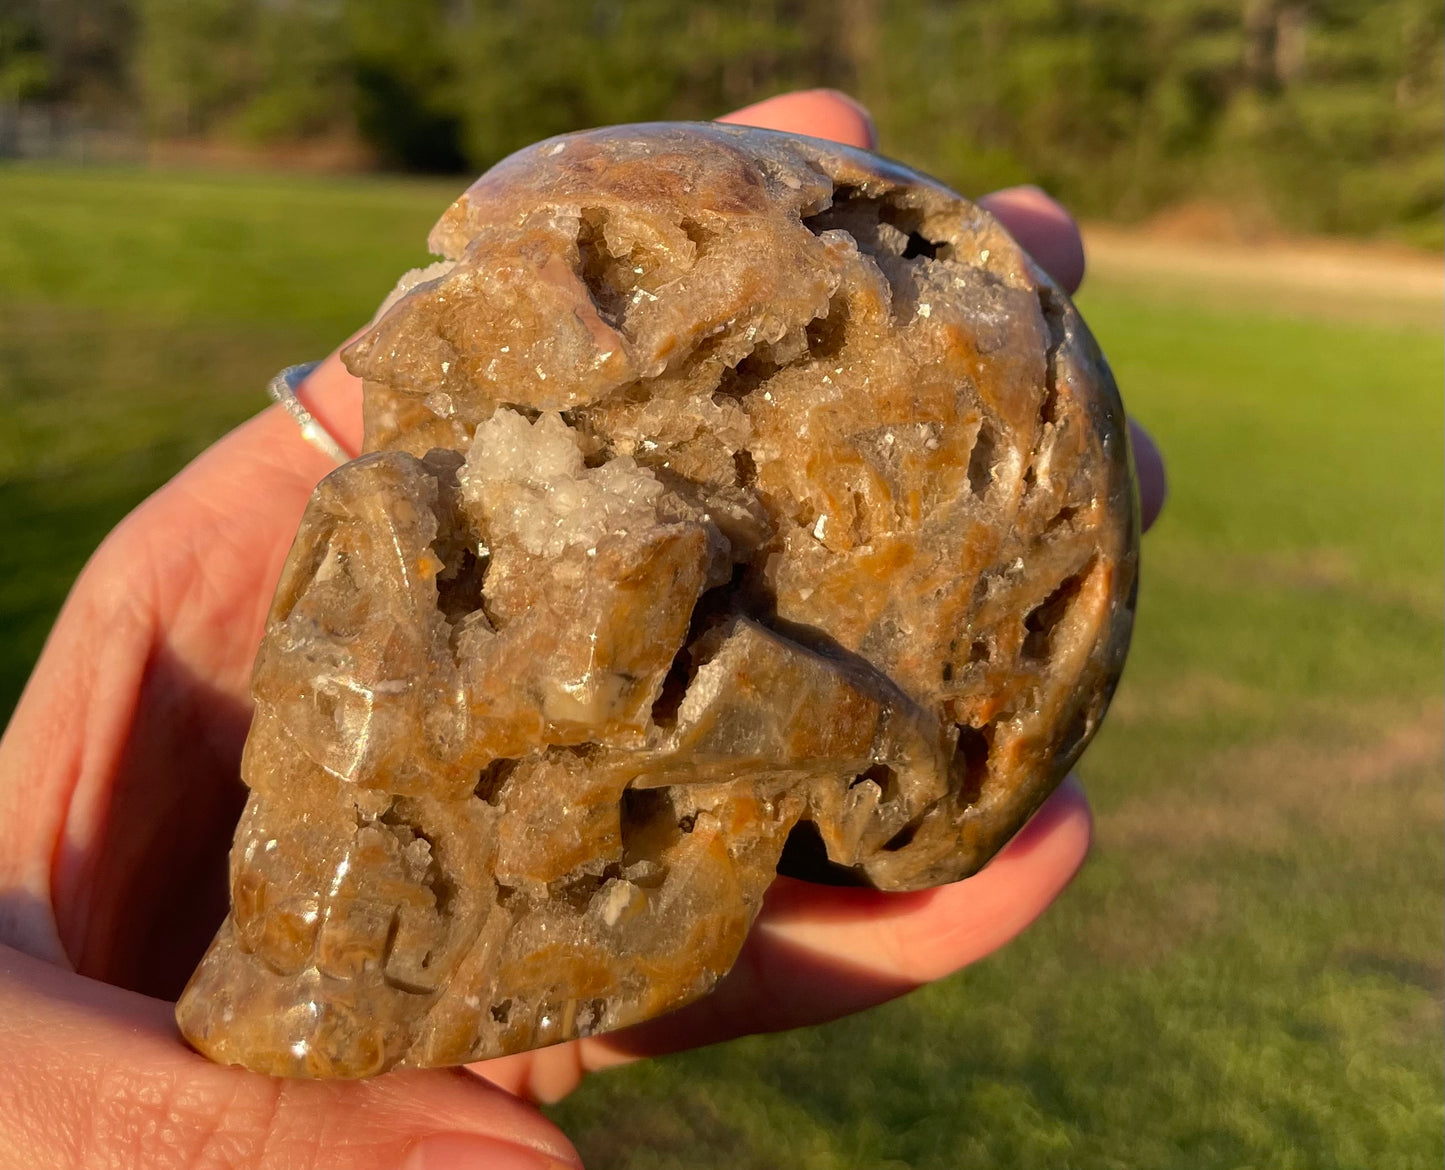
point(91, 1075)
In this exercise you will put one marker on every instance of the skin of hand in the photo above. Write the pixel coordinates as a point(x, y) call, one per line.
point(118, 796)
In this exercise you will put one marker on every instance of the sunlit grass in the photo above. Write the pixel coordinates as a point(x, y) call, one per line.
point(1248, 973)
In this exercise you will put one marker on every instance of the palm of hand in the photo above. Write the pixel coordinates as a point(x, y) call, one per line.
point(119, 793)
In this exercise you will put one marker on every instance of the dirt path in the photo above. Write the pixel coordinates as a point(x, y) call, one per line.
point(1312, 271)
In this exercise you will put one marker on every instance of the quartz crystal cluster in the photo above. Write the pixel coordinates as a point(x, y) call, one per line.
point(732, 503)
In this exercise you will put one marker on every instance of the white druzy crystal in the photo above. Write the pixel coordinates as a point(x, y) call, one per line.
point(527, 480)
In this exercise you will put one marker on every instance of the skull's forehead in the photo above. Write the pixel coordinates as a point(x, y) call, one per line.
point(589, 267)
point(663, 169)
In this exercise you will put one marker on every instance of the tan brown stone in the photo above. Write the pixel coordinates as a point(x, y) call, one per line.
point(733, 501)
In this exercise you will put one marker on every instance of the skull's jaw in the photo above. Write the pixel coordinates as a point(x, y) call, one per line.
point(617, 947)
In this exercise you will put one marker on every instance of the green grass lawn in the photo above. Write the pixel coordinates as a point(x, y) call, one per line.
point(1249, 971)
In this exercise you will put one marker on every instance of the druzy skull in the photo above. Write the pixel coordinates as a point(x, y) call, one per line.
point(733, 503)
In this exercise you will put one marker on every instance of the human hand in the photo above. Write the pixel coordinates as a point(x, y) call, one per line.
point(119, 793)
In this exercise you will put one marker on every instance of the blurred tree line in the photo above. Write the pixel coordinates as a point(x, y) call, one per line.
point(1322, 115)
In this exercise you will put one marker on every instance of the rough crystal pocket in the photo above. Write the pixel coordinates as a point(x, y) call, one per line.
point(733, 503)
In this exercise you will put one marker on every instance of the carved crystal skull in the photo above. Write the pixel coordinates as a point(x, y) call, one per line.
point(733, 502)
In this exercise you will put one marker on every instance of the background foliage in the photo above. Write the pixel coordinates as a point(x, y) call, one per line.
point(1319, 115)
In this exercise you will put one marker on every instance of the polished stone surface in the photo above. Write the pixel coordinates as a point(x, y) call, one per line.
point(733, 502)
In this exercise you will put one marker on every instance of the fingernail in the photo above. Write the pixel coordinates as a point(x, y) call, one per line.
point(863, 111)
point(847, 98)
point(461, 1151)
point(1021, 193)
